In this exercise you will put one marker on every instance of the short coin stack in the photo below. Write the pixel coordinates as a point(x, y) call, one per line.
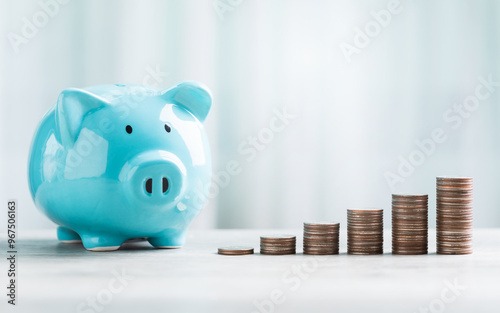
point(321, 238)
point(235, 250)
point(277, 244)
point(454, 215)
point(409, 224)
point(365, 233)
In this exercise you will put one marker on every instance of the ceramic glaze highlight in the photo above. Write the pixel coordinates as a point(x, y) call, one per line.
point(116, 162)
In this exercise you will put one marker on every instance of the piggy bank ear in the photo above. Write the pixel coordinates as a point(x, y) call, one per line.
point(193, 96)
point(72, 107)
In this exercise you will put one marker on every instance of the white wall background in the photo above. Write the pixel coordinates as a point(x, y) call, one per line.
point(353, 120)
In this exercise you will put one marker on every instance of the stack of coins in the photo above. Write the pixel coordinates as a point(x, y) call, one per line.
point(409, 224)
point(454, 215)
point(235, 250)
point(277, 244)
point(365, 231)
point(321, 238)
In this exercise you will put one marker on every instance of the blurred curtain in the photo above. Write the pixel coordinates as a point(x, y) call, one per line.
point(348, 124)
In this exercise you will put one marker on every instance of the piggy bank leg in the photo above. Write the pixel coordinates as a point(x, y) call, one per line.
point(169, 239)
point(102, 242)
point(66, 235)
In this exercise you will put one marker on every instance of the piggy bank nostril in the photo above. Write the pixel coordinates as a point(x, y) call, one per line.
point(149, 186)
point(165, 185)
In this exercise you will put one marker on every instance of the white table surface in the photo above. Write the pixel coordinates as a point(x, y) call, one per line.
point(55, 277)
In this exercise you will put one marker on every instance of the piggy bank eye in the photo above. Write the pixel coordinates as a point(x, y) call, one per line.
point(128, 129)
point(168, 128)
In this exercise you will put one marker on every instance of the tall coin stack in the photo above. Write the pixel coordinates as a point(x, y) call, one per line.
point(365, 231)
point(321, 238)
point(409, 224)
point(277, 244)
point(454, 215)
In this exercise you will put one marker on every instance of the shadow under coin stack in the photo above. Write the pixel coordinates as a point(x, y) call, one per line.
point(277, 244)
point(321, 238)
point(454, 215)
point(409, 224)
point(365, 231)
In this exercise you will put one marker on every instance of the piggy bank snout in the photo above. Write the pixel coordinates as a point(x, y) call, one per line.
point(155, 177)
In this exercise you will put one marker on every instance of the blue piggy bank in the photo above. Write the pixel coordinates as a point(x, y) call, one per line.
point(116, 162)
